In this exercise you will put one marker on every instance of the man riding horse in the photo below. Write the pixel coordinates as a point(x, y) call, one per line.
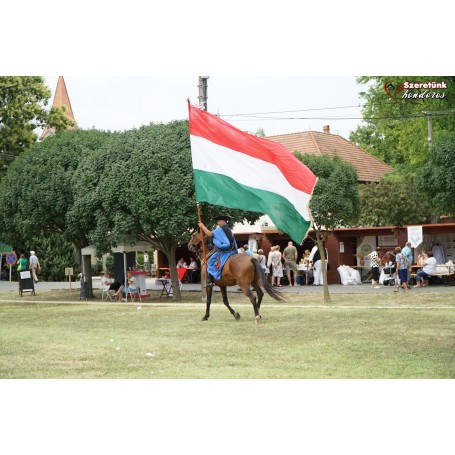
point(225, 267)
point(225, 246)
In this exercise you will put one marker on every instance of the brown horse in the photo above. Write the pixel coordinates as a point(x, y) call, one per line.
point(241, 270)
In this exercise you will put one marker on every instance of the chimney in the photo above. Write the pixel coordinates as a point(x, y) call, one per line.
point(326, 129)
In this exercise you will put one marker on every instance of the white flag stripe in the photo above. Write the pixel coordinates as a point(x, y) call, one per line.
point(246, 170)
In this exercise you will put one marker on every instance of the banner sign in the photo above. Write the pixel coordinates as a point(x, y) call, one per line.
point(415, 235)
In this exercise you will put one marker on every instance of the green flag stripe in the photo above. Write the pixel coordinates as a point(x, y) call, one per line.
point(221, 190)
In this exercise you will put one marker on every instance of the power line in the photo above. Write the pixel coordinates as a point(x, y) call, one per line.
point(400, 117)
point(296, 110)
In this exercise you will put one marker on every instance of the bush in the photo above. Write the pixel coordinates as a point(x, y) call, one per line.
point(97, 268)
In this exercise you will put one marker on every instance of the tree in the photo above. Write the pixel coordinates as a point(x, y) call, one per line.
point(22, 110)
point(394, 201)
point(396, 129)
point(436, 179)
point(55, 254)
point(140, 187)
point(335, 201)
point(38, 189)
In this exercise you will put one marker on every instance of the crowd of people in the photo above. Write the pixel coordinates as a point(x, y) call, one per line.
point(400, 262)
point(287, 263)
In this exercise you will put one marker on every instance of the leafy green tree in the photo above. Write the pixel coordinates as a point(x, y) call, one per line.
point(55, 254)
point(38, 189)
point(335, 202)
point(140, 187)
point(396, 128)
point(394, 201)
point(22, 110)
point(436, 179)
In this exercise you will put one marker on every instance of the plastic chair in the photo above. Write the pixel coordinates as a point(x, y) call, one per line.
point(133, 294)
point(107, 294)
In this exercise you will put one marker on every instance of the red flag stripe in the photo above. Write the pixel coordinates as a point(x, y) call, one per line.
point(216, 130)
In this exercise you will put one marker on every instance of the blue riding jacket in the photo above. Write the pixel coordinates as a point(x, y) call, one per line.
point(224, 249)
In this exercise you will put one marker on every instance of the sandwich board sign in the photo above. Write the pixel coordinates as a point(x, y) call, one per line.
point(26, 283)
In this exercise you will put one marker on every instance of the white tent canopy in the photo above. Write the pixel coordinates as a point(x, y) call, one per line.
point(138, 246)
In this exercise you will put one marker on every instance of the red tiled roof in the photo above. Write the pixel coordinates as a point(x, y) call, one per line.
point(369, 168)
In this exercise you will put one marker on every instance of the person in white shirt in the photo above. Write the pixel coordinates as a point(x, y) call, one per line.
point(315, 256)
point(195, 272)
point(375, 262)
point(274, 260)
point(429, 268)
point(131, 286)
point(109, 284)
point(262, 260)
point(181, 263)
point(34, 266)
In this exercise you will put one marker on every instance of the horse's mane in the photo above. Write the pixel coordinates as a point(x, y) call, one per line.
point(196, 247)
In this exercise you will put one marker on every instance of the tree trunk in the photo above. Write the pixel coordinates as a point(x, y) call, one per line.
point(177, 296)
point(88, 273)
point(320, 240)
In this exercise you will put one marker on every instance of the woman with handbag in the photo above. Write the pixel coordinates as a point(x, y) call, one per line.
point(21, 263)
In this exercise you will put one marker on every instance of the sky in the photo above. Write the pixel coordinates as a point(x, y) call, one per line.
point(275, 104)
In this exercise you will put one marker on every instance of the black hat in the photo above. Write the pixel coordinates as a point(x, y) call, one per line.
point(222, 217)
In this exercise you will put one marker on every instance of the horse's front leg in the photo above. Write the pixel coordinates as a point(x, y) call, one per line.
point(208, 301)
point(226, 302)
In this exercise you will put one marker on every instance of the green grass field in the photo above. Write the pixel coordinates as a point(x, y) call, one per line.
point(356, 336)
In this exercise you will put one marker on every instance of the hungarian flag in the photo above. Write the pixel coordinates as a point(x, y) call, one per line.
point(237, 170)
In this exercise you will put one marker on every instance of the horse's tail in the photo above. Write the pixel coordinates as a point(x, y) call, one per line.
point(268, 288)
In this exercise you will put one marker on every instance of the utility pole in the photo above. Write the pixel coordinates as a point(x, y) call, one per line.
point(430, 128)
point(203, 92)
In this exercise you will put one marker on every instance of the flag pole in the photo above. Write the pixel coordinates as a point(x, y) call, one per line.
point(202, 232)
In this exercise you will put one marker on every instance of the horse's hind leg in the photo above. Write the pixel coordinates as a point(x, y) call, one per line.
point(247, 291)
point(259, 293)
point(226, 302)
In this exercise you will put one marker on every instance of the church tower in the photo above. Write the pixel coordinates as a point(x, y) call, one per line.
point(61, 98)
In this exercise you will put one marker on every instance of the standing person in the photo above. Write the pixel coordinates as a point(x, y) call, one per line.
point(290, 262)
point(375, 262)
point(274, 260)
point(34, 266)
point(262, 260)
point(407, 251)
point(21, 263)
point(401, 271)
point(315, 256)
point(226, 246)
